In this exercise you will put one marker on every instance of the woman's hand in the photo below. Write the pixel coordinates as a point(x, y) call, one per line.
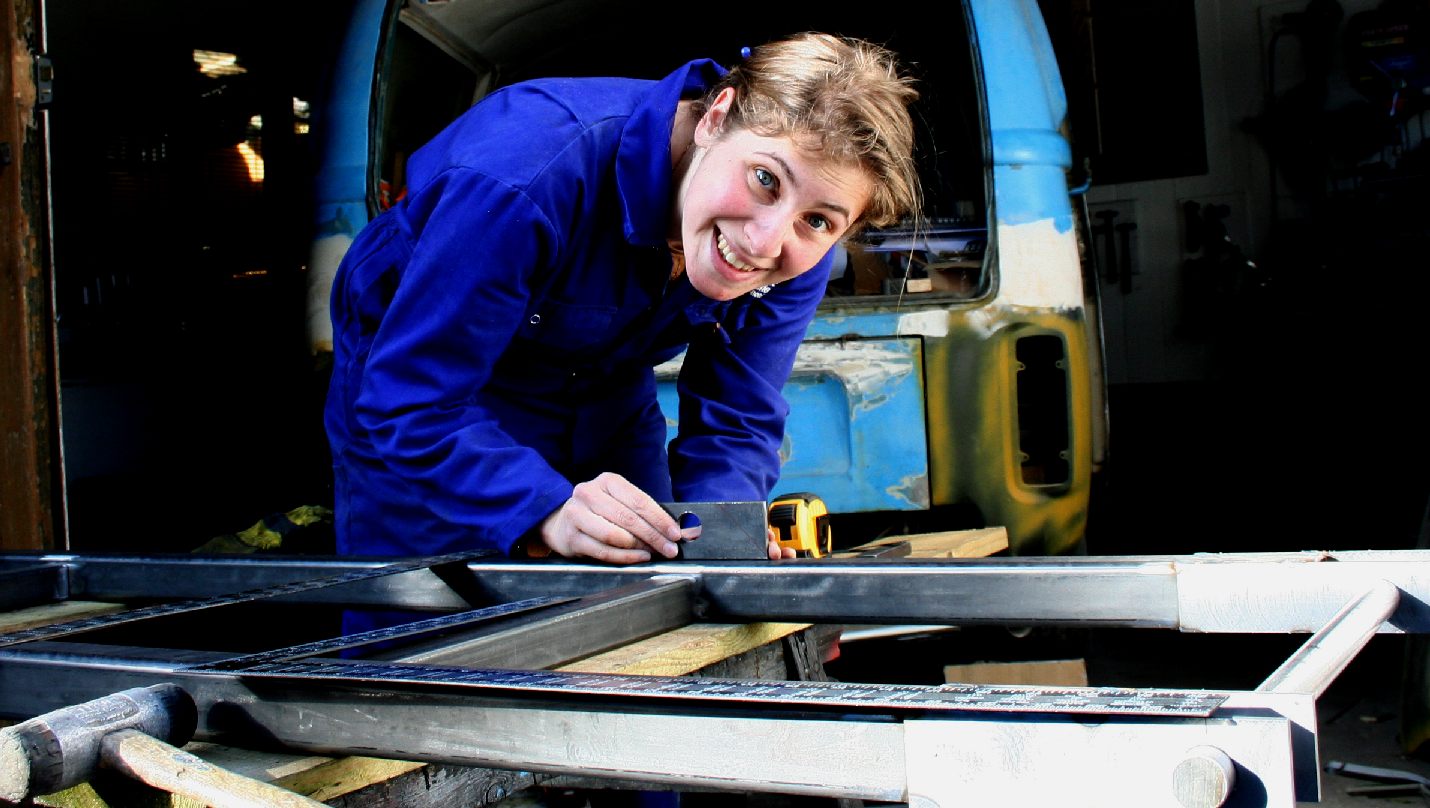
point(776, 551)
point(610, 519)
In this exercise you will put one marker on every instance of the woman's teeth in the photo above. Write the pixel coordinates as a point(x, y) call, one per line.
point(729, 255)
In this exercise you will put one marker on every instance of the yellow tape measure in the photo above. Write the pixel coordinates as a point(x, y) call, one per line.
point(802, 522)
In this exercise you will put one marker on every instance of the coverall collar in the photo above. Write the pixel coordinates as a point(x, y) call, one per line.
point(643, 171)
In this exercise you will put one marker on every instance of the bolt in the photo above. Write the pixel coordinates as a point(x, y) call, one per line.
point(1203, 779)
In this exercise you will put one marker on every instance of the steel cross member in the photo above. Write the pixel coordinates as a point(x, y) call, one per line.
point(1256, 748)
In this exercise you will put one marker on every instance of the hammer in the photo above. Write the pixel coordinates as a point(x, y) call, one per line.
point(135, 732)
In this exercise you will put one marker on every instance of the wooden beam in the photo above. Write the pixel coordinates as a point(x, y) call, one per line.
point(975, 543)
point(27, 434)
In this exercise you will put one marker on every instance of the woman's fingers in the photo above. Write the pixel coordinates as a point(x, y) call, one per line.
point(777, 552)
point(630, 516)
point(611, 520)
point(563, 532)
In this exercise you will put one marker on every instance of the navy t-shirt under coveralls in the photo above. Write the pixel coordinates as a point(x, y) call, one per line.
point(495, 332)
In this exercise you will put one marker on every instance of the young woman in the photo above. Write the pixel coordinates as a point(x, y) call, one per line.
point(495, 332)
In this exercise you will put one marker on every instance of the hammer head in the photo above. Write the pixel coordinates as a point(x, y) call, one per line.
point(62, 748)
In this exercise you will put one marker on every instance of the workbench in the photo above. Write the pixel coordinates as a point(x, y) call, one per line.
point(757, 650)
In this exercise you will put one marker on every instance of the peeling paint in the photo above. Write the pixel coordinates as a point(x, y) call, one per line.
point(669, 369)
point(872, 402)
point(864, 368)
point(913, 489)
point(1034, 259)
point(929, 323)
point(323, 263)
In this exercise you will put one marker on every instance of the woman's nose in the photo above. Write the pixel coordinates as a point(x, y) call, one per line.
point(765, 235)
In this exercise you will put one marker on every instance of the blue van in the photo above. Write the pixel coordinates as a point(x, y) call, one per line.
point(952, 377)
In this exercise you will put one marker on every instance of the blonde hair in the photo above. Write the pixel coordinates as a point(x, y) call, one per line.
point(842, 98)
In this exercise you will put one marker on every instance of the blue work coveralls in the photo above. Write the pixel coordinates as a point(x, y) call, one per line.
point(495, 331)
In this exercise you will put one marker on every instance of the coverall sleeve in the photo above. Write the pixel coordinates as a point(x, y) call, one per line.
point(477, 244)
point(732, 411)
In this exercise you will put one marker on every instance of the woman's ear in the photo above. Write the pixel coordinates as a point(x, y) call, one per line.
point(712, 123)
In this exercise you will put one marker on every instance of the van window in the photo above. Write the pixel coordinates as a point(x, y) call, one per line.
point(443, 56)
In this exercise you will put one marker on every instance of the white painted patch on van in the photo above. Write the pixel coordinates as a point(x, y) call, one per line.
point(323, 261)
point(670, 368)
point(985, 321)
point(1038, 266)
point(864, 368)
point(930, 323)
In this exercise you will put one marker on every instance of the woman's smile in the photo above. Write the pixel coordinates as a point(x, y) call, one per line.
point(730, 257)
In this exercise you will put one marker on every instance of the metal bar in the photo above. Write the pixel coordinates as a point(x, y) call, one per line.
point(958, 763)
point(720, 530)
point(1299, 710)
point(55, 630)
point(566, 633)
point(860, 633)
point(1326, 653)
point(702, 693)
point(300, 706)
point(23, 586)
point(416, 628)
point(815, 590)
point(1277, 592)
point(741, 746)
point(87, 671)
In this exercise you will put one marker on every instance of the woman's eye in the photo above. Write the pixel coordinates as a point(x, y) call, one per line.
point(764, 178)
point(818, 222)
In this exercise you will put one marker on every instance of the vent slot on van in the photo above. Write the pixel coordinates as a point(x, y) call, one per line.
point(1042, 382)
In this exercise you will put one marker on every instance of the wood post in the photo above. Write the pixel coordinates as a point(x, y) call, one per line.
point(28, 437)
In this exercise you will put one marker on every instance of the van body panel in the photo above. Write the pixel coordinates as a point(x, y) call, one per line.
point(340, 184)
point(856, 432)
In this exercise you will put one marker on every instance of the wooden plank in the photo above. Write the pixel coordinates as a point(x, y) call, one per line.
point(1045, 672)
point(975, 543)
point(335, 777)
point(685, 650)
point(51, 613)
point(270, 766)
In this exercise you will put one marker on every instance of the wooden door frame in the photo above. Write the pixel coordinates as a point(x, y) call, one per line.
point(31, 511)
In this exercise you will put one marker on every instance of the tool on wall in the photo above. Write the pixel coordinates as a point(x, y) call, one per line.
point(1105, 230)
point(1115, 248)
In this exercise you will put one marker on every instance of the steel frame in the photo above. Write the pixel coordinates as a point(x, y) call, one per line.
point(1255, 748)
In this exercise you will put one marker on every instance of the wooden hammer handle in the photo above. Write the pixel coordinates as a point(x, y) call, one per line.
point(172, 769)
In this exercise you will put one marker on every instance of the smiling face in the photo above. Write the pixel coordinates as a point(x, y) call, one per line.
point(755, 210)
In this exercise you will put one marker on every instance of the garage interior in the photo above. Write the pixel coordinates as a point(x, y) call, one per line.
point(1258, 220)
